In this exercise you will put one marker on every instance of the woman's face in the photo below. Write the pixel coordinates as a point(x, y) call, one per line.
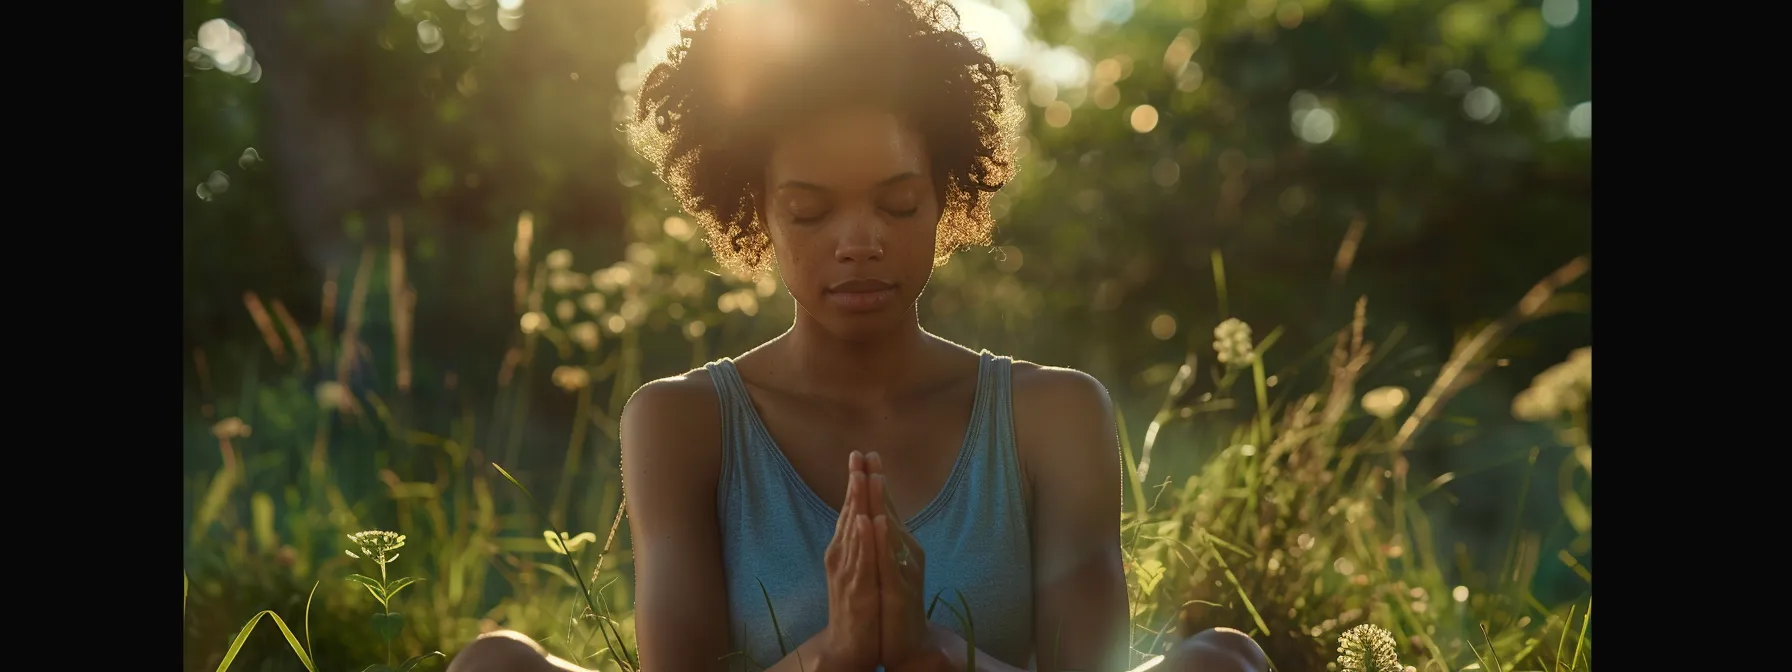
point(852, 216)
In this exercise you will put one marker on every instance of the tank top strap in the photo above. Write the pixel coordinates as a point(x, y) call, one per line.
point(994, 474)
point(738, 418)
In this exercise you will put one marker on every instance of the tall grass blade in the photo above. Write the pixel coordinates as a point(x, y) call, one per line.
point(236, 646)
point(1581, 641)
point(307, 623)
point(1133, 475)
point(783, 650)
point(1491, 650)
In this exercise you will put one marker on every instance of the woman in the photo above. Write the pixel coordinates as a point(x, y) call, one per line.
point(807, 505)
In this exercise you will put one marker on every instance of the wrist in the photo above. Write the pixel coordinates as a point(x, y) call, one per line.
point(824, 654)
point(924, 659)
point(929, 655)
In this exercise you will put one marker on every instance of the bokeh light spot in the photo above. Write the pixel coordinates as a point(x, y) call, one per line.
point(1166, 172)
point(1481, 104)
point(1144, 118)
point(1163, 326)
point(1560, 13)
point(429, 36)
point(1580, 120)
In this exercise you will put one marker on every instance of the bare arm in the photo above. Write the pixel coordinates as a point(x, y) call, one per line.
point(1065, 427)
point(671, 458)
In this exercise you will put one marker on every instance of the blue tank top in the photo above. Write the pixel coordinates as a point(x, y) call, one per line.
point(775, 530)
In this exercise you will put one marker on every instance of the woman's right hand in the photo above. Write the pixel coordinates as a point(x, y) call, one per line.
point(854, 628)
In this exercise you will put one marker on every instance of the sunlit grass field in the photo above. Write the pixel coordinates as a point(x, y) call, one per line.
point(1303, 527)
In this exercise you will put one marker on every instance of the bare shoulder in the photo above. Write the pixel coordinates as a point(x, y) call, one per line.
point(1061, 416)
point(673, 420)
point(1058, 396)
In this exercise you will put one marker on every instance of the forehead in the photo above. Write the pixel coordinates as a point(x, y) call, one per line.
point(851, 148)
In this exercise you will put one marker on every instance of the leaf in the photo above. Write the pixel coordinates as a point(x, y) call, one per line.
point(556, 570)
point(307, 623)
point(1149, 573)
point(373, 586)
point(388, 625)
point(378, 667)
point(392, 590)
point(236, 645)
point(370, 582)
point(185, 585)
point(416, 660)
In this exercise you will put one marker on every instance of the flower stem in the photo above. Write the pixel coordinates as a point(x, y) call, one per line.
point(386, 606)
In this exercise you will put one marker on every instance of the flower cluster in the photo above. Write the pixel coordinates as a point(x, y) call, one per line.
point(1367, 648)
point(1563, 388)
point(1384, 402)
point(1232, 342)
point(376, 544)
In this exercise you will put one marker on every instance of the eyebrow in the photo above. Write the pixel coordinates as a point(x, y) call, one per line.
point(798, 184)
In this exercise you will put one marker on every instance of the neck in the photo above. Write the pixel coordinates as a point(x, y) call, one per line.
point(869, 369)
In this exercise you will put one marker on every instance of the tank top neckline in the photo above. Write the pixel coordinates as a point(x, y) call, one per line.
point(973, 433)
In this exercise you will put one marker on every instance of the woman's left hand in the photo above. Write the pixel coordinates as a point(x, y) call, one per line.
point(902, 570)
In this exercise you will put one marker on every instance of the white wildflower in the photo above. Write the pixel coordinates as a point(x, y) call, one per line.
point(1563, 388)
point(1384, 402)
point(1232, 342)
point(1367, 648)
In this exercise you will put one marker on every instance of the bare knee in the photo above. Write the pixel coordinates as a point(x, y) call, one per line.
point(501, 650)
point(1217, 650)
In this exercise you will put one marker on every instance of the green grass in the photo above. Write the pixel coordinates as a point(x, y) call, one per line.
point(1300, 527)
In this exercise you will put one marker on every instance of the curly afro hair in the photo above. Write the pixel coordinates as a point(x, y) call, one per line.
point(743, 70)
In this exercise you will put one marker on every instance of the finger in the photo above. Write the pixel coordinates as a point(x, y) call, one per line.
point(886, 556)
point(856, 487)
point(866, 571)
point(850, 545)
point(844, 519)
point(875, 495)
point(917, 560)
point(855, 461)
point(889, 504)
point(880, 493)
point(874, 463)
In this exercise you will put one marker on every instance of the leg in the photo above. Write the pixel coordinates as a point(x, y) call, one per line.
point(508, 651)
point(1216, 650)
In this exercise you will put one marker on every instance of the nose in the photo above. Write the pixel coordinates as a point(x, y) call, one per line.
point(861, 239)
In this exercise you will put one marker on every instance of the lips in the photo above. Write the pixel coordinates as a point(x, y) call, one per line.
point(861, 295)
point(861, 285)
